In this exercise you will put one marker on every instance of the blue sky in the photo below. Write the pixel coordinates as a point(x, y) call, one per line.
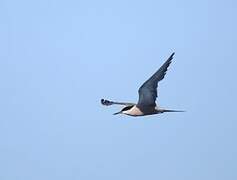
point(59, 58)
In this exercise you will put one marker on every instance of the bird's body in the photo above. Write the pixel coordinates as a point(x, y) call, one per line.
point(147, 96)
point(134, 111)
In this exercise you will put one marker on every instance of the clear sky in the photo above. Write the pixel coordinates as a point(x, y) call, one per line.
point(59, 58)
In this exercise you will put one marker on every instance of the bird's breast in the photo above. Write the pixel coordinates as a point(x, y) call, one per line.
point(134, 111)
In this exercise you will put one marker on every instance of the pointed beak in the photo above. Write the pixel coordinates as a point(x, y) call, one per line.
point(120, 112)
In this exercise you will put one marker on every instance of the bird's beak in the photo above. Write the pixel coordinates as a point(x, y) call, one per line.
point(120, 112)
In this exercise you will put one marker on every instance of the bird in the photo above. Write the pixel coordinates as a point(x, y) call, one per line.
point(146, 104)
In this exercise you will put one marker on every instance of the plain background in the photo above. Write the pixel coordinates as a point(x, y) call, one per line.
point(59, 58)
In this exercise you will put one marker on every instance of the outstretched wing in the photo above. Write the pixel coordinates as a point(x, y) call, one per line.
point(148, 91)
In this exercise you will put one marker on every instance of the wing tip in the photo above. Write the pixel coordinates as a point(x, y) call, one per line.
point(169, 60)
point(171, 56)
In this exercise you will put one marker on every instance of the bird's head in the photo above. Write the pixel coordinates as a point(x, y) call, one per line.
point(123, 111)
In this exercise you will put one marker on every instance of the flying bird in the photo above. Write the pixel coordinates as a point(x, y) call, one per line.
point(147, 96)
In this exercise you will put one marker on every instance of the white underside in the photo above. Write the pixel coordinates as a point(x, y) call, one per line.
point(134, 111)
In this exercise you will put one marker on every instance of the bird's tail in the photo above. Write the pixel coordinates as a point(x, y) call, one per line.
point(108, 103)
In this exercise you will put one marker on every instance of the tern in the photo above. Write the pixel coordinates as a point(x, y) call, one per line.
point(147, 96)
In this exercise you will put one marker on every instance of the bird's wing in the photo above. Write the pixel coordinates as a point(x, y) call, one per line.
point(148, 91)
point(109, 103)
